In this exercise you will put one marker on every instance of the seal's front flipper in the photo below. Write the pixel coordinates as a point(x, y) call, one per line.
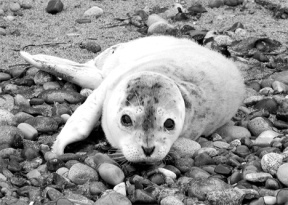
point(84, 75)
point(81, 123)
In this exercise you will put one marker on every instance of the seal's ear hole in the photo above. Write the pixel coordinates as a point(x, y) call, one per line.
point(126, 120)
point(169, 124)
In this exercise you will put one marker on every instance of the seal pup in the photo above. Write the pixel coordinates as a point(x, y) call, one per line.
point(149, 92)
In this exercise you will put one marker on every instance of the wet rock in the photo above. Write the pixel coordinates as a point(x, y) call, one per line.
point(259, 125)
point(230, 133)
point(61, 96)
point(94, 11)
point(80, 173)
point(111, 174)
point(54, 164)
point(113, 198)
point(54, 6)
point(43, 124)
point(270, 162)
point(185, 147)
point(200, 187)
point(282, 174)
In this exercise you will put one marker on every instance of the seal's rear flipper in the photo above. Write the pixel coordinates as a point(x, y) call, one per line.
point(84, 75)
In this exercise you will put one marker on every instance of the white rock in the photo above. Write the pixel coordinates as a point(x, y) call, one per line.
point(94, 11)
point(185, 147)
point(279, 87)
point(223, 40)
point(253, 99)
point(120, 188)
point(171, 200)
point(269, 200)
point(2, 177)
point(266, 91)
point(153, 18)
point(167, 173)
point(270, 162)
point(265, 138)
point(282, 174)
point(63, 171)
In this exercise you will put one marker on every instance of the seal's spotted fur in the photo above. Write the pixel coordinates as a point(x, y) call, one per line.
point(147, 82)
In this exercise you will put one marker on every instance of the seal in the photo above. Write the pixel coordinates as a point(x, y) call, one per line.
point(149, 92)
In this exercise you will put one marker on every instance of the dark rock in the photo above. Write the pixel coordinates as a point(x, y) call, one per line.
point(54, 6)
point(36, 101)
point(157, 178)
point(203, 159)
point(260, 57)
point(242, 151)
point(82, 21)
point(235, 26)
point(91, 46)
point(223, 169)
point(54, 164)
point(141, 196)
point(196, 9)
point(267, 104)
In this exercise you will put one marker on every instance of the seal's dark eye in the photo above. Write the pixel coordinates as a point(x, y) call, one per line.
point(126, 120)
point(169, 124)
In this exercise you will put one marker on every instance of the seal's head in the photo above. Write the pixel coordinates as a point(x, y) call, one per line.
point(143, 115)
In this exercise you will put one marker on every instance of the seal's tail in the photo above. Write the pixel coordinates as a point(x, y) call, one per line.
point(84, 75)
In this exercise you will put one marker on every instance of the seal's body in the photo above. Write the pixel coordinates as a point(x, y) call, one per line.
point(150, 92)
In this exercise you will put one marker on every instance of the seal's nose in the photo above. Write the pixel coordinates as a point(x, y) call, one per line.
point(148, 151)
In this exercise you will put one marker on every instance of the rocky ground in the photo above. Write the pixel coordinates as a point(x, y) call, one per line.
point(244, 162)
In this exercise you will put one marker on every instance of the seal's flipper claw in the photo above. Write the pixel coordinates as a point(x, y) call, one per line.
point(84, 75)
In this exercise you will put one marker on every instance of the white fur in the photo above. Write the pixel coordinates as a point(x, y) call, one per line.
point(208, 81)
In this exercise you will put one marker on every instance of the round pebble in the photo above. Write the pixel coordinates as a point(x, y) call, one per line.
point(282, 174)
point(80, 173)
point(185, 147)
point(230, 133)
point(111, 174)
point(14, 6)
point(265, 138)
point(270, 162)
point(54, 6)
point(94, 11)
point(259, 125)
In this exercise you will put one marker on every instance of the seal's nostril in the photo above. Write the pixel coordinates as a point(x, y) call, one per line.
point(148, 151)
